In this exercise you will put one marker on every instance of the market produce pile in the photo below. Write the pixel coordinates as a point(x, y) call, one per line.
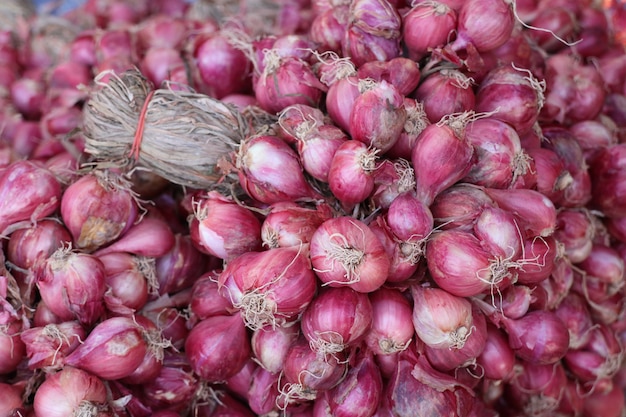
point(313, 208)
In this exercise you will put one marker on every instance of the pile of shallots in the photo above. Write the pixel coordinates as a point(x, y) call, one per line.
point(427, 217)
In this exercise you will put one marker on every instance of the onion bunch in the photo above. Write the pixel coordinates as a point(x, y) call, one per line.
point(363, 208)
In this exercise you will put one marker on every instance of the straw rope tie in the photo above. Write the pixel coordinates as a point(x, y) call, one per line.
point(134, 150)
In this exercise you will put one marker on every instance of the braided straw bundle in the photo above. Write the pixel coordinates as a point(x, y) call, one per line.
point(179, 135)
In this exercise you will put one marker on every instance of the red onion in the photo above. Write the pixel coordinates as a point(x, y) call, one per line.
point(336, 319)
point(578, 192)
point(540, 254)
point(613, 110)
point(83, 48)
point(294, 45)
point(599, 359)
point(410, 219)
point(441, 320)
point(11, 402)
point(459, 206)
point(537, 389)
point(594, 36)
point(240, 101)
point(575, 314)
point(68, 392)
point(499, 156)
point(484, 24)
point(47, 346)
point(556, 23)
point(97, 209)
point(72, 284)
point(373, 32)
point(515, 301)
point(180, 267)
point(515, 93)
point(391, 330)
point(263, 391)
point(359, 393)
point(31, 245)
point(207, 299)
point(557, 285)
point(263, 162)
point(161, 30)
point(295, 122)
point(606, 404)
point(534, 212)
point(591, 369)
point(402, 73)
point(175, 386)
point(159, 64)
point(416, 389)
point(24, 136)
point(345, 252)
point(442, 155)
point(224, 406)
point(540, 337)
point(351, 173)
point(392, 178)
point(378, 116)
point(552, 177)
point(499, 233)
point(460, 264)
point(612, 67)
point(240, 382)
point(223, 228)
point(572, 399)
point(605, 265)
point(128, 279)
point(317, 148)
point(271, 344)
point(270, 287)
point(218, 347)
point(426, 26)
point(447, 91)
point(42, 199)
point(607, 177)
point(285, 81)
point(617, 229)
point(290, 224)
point(64, 166)
point(341, 95)
point(575, 92)
point(112, 350)
point(223, 68)
point(12, 349)
point(115, 43)
point(165, 313)
point(328, 28)
point(149, 237)
point(60, 121)
point(404, 256)
point(592, 135)
point(517, 50)
point(152, 362)
point(306, 373)
point(43, 315)
point(363, 47)
point(450, 358)
point(497, 358)
point(416, 121)
point(28, 95)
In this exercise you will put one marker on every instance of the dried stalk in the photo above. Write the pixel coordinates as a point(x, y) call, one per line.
point(185, 134)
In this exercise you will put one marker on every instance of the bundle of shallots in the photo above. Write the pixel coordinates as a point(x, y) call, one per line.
point(179, 135)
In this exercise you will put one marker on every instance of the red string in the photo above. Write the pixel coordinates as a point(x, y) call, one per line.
point(134, 150)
